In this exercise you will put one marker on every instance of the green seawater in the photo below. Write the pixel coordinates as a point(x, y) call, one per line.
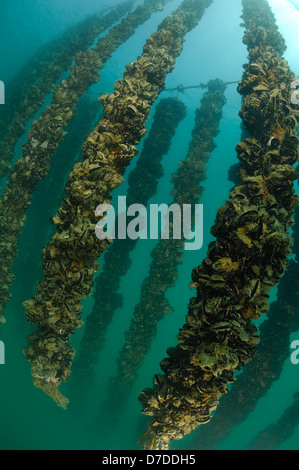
point(214, 49)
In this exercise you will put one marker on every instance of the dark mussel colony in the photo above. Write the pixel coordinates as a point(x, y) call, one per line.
point(224, 362)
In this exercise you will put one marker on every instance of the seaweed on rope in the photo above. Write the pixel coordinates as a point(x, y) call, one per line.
point(70, 258)
point(249, 255)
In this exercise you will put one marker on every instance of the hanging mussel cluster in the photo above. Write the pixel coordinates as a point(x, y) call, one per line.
point(168, 254)
point(46, 134)
point(266, 367)
point(249, 255)
point(142, 185)
point(52, 191)
point(27, 100)
point(70, 258)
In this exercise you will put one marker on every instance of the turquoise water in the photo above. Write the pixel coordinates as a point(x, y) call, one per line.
point(29, 419)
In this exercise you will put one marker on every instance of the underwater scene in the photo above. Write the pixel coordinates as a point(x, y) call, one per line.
point(149, 225)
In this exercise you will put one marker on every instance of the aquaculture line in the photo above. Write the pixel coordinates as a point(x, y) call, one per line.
point(27, 97)
point(276, 434)
point(266, 367)
point(70, 258)
point(249, 255)
point(142, 185)
point(46, 134)
point(167, 254)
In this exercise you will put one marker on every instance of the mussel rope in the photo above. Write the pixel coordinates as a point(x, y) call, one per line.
point(26, 101)
point(249, 255)
point(274, 435)
point(266, 367)
point(70, 258)
point(167, 254)
point(142, 185)
point(46, 134)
